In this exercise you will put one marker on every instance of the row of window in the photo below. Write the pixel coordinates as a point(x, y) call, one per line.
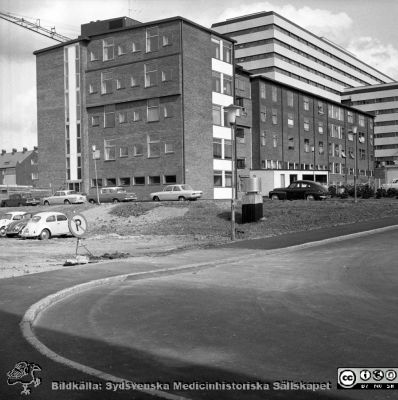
point(222, 83)
point(154, 148)
point(300, 52)
point(152, 77)
point(386, 135)
point(386, 123)
point(153, 42)
point(135, 181)
point(373, 101)
point(221, 50)
point(154, 111)
point(302, 40)
point(386, 146)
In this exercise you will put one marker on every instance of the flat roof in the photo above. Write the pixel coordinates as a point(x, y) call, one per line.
point(266, 13)
point(371, 88)
point(142, 25)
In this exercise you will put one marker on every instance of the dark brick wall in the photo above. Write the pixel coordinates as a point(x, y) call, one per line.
point(51, 118)
point(25, 169)
point(197, 92)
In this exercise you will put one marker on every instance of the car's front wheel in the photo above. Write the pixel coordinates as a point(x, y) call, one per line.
point(274, 197)
point(66, 202)
point(2, 231)
point(45, 234)
point(310, 197)
point(92, 201)
point(46, 203)
point(115, 201)
point(181, 198)
point(156, 198)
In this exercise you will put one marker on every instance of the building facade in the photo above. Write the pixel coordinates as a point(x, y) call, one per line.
point(148, 98)
point(302, 136)
point(19, 167)
point(270, 45)
point(382, 101)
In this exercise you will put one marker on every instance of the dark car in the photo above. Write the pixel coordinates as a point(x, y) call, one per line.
point(306, 190)
point(19, 199)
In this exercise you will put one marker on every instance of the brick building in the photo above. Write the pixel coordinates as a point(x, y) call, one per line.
point(19, 167)
point(298, 135)
point(149, 96)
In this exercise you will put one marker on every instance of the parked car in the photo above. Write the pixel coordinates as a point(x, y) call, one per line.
point(45, 225)
point(64, 197)
point(177, 192)
point(392, 185)
point(307, 190)
point(8, 218)
point(19, 199)
point(15, 227)
point(112, 195)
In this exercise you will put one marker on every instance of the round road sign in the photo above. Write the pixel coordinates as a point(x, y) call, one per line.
point(78, 225)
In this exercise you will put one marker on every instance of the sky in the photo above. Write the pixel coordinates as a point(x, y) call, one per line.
point(364, 27)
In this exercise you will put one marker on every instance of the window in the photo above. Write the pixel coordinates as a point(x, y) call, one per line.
point(215, 47)
point(153, 145)
point(169, 179)
point(152, 39)
point(336, 112)
point(320, 127)
point(110, 181)
point(263, 140)
point(274, 141)
point(227, 149)
point(167, 110)
point(154, 180)
point(263, 114)
point(262, 90)
point(167, 39)
point(217, 148)
point(227, 85)
point(306, 103)
point(135, 46)
point(290, 120)
point(290, 99)
point(169, 147)
point(336, 150)
point(134, 81)
point(121, 49)
point(139, 180)
point(321, 149)
point(109, 116)
point(240, 135)
point(122, 117)
point(51, 218)
point(241, 163)
point(108, 49)
point(228, 178)
point(136, 116)
point(216, 114)
point(91, 89)
point(350, 117)
point(227, 52)
point(151, 75)
point(137, 150)
point(124, 151)
point(274, 116)
point(167, 75)
point(361, 137)
point(217, 178)
point(153, 110)
point(306, 145)
point(290, 142)
point(109, 149)
point(106, 82)
point(321, 109)
point(361, 120)
point(96, 182)
point(216, 82)
point(124, 181)
point(119, 84)
point(35, 176)
point(274, 92)
point(95, 120)
point(93, 55)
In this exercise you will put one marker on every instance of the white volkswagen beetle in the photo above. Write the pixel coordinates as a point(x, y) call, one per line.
point(45, 225)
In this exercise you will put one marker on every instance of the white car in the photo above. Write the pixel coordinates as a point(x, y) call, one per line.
point(45, 225)
point(177, 192)
point(8, 218)
point(64, 197)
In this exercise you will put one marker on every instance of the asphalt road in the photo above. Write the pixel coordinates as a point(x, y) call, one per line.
point(295, 316)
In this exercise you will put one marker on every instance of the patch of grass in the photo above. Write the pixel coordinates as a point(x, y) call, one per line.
point(132, 209)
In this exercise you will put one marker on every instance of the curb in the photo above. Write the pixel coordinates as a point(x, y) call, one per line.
point(28, 320)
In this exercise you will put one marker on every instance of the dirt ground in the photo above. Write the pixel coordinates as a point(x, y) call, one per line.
point(19, 257)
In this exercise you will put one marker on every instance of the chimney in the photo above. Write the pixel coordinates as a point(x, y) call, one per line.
point(24, 150)
point(14, 151)
point(35, 148)
point(3, 152)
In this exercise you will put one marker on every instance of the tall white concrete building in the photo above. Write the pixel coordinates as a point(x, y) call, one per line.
point(382, 101)
point(270, 45)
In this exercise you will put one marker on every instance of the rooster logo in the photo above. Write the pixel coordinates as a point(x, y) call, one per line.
point(24, 373)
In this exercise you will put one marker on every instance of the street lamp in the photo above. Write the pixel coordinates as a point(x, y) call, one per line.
point(354, 132)
point(232, 112)
point(96, 156)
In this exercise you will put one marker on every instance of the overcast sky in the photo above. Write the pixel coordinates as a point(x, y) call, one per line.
point(365, 28)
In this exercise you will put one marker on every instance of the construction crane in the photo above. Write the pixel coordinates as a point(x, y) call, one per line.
point(35, 27)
